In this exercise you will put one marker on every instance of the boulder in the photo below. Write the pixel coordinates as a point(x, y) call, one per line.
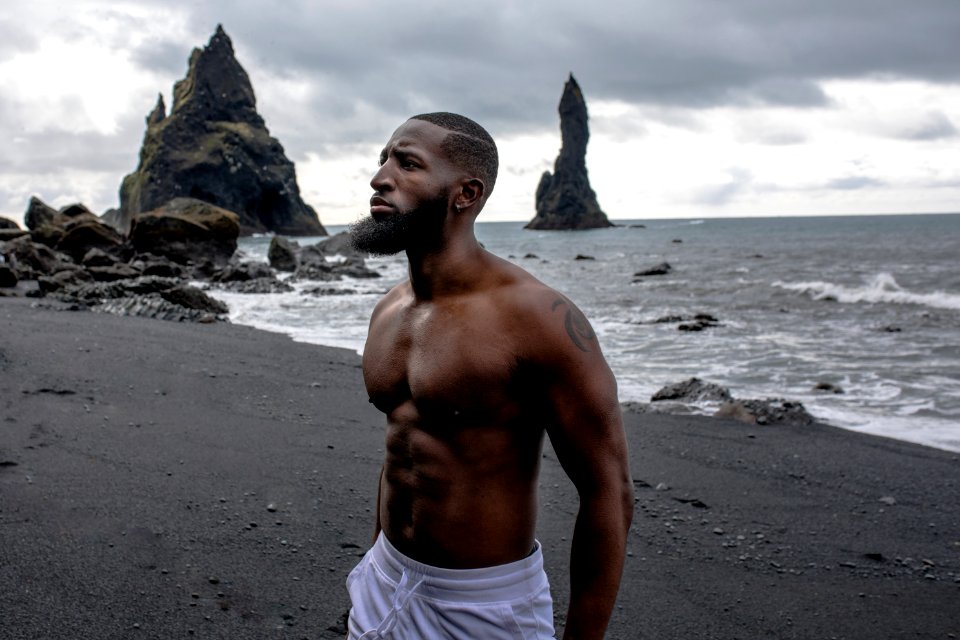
point(661, 269)
point(692, 390)
point(113, 273)
point(699, 322)
point(282, 254)
point(256, 285)
point(771, 411)
point(322, 272)
point(564, 199)
point(178, 303)
point(151, 265)
point(190, 297)
point(72, 230)
point(94, 293)
point(328, 291)
point(8, 277)
point(828, 387)
point(98, 258)
point(47, 234)
point(354, 268)
point(186, 230)
point(12, 234)
point(38, 213)
point(84, 232)
point(243, 272)
point(8, 224)
point(214, 146)
point(67, 278)
point(337, 245)
point(31, 259)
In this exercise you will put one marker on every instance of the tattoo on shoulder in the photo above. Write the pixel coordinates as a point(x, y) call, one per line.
point(576, 324)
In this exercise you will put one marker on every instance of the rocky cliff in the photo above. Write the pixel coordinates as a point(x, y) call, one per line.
point(564, 198)
point(215, 147)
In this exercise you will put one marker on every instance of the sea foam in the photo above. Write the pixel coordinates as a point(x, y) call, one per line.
point(881, 288)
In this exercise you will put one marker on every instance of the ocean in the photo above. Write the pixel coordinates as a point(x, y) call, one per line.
point(868, 304)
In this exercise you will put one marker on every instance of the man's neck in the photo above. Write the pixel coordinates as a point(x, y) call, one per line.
point(453, 266)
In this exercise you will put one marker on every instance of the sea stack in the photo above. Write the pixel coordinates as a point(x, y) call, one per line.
point(214, 146)
point(564, 199)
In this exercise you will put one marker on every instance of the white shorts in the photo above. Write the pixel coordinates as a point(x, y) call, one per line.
point(394, 596)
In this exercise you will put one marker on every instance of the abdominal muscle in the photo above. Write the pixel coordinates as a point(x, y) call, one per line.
point(460, 496)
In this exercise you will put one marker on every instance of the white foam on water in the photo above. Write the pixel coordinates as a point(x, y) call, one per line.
point(881, 288)
point(930, 431)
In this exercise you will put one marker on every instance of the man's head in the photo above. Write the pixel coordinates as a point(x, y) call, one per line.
point(467, 145)
point(434, 166)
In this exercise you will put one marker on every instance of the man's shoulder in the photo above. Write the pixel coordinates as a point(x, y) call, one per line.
point(396, 295)
point(547, 322)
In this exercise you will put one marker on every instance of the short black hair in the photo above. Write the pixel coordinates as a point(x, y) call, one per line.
point(468, 144)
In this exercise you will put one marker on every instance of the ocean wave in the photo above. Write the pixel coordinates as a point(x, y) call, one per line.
point(881, 288)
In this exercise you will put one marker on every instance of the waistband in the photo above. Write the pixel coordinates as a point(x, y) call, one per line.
point(501, 583)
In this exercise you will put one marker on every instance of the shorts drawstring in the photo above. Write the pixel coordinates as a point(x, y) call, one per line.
point(400, 599)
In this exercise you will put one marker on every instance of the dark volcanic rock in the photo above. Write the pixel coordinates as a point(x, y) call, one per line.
point(257, 285)
point(193, 298)
point(84, 232)
point(766, 412)
point(215, 147)
point(12, 234)
point(693, 390)
point(661, 269)
point(337, 245)
point(73, 230)
point(185, 230)
point(8, 277)
point(282, 254)
point(31, 259)
point(7, 223)
point(564, 199)
point(38, 213)
point(113, 272)
point(828, 387)
point(700, 322)
point(243, 272)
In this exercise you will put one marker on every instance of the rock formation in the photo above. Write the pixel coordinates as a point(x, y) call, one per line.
point(215, 147)
point(564, 199)
point(186, 230)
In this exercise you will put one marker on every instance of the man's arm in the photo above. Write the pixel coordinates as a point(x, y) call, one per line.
point(586, 430)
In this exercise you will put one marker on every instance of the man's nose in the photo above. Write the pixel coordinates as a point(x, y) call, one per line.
point(381, 180)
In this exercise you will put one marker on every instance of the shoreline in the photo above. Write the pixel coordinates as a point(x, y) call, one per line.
point(159, 478)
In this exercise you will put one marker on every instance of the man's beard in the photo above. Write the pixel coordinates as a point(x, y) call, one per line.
point(400, 230)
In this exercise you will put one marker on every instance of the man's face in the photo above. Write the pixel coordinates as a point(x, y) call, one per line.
point(412, 192)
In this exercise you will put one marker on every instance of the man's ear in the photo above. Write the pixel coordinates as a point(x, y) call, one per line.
point(471, 193)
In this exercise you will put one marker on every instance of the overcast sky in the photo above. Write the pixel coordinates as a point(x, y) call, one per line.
point(698, 108)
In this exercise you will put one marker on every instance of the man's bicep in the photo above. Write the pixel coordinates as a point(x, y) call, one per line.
point(584, 424)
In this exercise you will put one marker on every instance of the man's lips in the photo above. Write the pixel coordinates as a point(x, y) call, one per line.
point(379, 205)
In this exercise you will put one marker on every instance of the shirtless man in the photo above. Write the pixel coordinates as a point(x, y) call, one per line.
point(473, 360)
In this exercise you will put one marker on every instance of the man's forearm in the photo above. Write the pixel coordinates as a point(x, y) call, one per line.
point(596, 564)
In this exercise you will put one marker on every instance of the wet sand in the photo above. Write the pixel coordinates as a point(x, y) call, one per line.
point(165, 480)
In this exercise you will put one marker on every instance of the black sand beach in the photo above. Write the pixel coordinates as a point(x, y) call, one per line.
point(166, 480)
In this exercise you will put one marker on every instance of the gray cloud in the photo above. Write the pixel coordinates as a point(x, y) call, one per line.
point(934, 125)
point(854, 183)
point(504, 63)
point(722, 194)
point(14, 39)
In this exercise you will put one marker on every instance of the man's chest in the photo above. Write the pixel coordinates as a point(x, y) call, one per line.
point(457, 359)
